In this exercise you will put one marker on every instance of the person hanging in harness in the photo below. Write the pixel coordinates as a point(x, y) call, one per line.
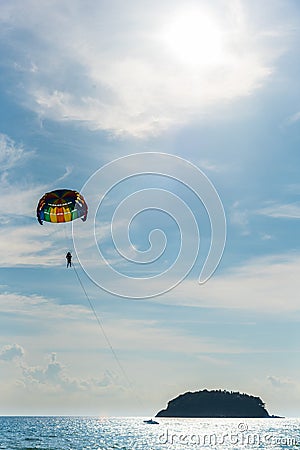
point(69, 259)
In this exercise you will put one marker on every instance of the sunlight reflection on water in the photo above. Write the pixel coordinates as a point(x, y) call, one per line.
point(87, 433)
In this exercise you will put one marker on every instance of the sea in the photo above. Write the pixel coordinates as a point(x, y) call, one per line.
point(129, 433)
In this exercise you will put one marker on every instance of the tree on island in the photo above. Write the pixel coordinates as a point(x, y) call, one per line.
point(216, 403)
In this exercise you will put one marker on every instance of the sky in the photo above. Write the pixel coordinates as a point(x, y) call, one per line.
point(178, 121)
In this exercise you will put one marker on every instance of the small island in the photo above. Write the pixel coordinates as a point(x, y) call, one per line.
point(213, 404)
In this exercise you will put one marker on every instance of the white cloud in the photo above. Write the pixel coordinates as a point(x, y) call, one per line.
point(55, 378)
point(83, 373)
point(278, 210)
point(30, 245)
point(40, 309)
point(211, 166)
point(267, 285)
point(16, 198)
point(68, 171)
point(152, 334)
point(117, 74)
point(123, 332)
point(85, 369)
point(22, 244)
point(240, 218)
point(281, 383)
point(52, 388)
point(266, 237)
point(10, 153)
point(11, 352)
point(18, 243)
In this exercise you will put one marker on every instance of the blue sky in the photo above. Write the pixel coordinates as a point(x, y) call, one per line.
point(215, 83)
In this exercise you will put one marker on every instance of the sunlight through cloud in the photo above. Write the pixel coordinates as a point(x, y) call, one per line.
point(195, 38)
point(179, 64)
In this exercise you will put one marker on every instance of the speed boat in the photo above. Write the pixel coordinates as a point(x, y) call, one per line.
point(151, 421)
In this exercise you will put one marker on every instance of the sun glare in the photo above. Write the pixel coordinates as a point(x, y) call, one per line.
point(194, 38)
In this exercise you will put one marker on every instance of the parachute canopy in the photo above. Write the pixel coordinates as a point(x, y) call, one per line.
point(62, 205)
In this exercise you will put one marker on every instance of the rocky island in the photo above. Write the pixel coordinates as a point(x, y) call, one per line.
point(216, 403)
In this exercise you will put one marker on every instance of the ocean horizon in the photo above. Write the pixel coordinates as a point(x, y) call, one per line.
point(128, 433)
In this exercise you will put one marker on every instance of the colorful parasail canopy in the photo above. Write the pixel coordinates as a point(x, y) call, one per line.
point(62, 205)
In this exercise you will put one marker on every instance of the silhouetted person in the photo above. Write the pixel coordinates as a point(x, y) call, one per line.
point(69, 259)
